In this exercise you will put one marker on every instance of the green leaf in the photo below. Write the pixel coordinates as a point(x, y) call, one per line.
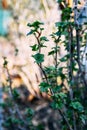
point(77, 106)
point(62, 95)
point(64, 33)
point(5, 62)
point(44, 86)
point(40, 127)
point(57, 104)
point(31, 32)
point(63, 76)
point(43, 38)
point(83, 118)
point(51, 52)
point(61, 24)
point(50, 68)
point(58, 33)
point(34, 47)
point(29, 112)
point(65, 58)
point(12, 120)
point(3, 105)
point(15, 94)
point(66, 16)
point(35, 24)
point(38, 57)
point(41, 29)
point(42, 45)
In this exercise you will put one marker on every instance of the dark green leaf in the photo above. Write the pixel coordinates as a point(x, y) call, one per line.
point(43, 38)
point(29, 112)
point(42, 45)
point(34, 47)
point(38, 57)
point(44, 86)
point(3, 105)
point(58, 33)
point(65, 58)
point(51, 52)
point(77, 106)
point(15, 94)
point(5, 62)
point(35, 24)
point(57, 105)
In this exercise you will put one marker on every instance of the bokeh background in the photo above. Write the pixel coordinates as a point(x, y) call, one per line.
point(14, 42)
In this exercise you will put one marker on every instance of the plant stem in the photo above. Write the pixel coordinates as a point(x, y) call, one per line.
point(46, 78)
point(56, 55)
point(65, 119)
point(71, 49)
point(78, 57)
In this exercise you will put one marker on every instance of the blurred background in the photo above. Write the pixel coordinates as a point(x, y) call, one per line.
point(14, 43)
point(15, 48)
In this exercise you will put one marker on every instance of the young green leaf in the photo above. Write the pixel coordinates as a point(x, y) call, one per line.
point(34, 47)
point(39, 58)
point(43, 39)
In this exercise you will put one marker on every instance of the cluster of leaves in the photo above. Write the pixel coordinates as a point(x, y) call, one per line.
point(68, 92)
point(68, 100)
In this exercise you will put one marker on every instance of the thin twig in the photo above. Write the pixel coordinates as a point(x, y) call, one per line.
point(65, 119)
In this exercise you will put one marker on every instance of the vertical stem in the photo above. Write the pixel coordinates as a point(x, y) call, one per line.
point(56, 63)
point(78, 45)
point(71, 49)
point(40, 65)
point(77, 33)
point(65, 119)
point(56, 54)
